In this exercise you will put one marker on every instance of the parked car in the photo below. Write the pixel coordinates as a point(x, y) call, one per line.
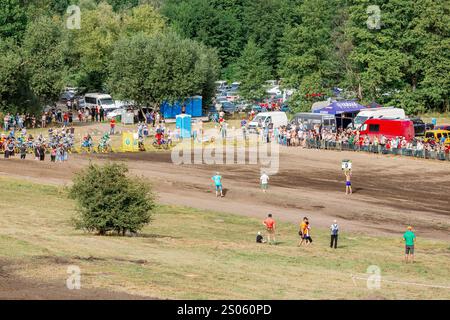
point(436, 136)
point(112, 113)
point(80, 103)
point(285, 108)
point(419, 126)
point(66, 96)
point(243, 106)
point(228, 107)
point(257, 108)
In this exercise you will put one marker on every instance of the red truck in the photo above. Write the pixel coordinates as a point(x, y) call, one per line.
point(388, 128)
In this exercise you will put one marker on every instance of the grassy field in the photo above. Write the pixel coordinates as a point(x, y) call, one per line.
point(193, 254)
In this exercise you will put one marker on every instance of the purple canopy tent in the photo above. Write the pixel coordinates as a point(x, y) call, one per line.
point(345, 110)
point(339, 107)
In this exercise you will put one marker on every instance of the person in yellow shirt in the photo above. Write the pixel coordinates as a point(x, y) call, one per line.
point(303, 230)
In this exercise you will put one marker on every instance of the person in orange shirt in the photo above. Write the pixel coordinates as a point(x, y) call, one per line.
point(112, 125)
point(269, 223)
point(303, 230)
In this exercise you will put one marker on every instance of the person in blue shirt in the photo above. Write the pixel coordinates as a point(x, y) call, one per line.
point(218, 183)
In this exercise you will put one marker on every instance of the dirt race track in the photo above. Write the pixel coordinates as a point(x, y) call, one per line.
point(390, 192)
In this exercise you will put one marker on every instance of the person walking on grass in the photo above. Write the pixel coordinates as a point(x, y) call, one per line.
point(307, 234)
point(302, 230)
point(334, 234)
point(264, 182)
point(218, 183)
point(269, 223)
point(410, 239)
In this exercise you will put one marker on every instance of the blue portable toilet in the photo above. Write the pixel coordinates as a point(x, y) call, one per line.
point(184, 123)
point(193, 107)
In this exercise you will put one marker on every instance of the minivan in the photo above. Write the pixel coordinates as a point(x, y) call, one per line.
point(436, 136)
point(276, 119)
point(92, 100)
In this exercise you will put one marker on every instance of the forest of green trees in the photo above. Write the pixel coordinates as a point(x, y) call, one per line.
point(396, 52)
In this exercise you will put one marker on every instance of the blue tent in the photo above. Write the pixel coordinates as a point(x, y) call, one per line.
point(193, 107)
point(340, 107)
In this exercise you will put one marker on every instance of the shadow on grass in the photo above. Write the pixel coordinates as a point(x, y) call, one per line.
point(154, 236)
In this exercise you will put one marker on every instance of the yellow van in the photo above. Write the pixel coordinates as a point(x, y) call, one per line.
point(436, 135)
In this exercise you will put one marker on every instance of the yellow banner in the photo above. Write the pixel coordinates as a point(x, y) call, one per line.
point(130, 142)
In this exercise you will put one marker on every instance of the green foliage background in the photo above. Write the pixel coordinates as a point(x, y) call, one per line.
point(312, 45)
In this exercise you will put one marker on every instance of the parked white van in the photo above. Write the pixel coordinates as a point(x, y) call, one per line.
point(276, 119)
point(378, 113)
point(98, 99)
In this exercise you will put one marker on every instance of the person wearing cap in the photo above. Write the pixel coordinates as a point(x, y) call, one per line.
point(218, 183)
point(269, 223)
point(334, 234)
point(410, 239)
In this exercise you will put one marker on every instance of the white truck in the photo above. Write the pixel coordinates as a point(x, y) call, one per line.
point(263, 119)
point(377, 113)
point(92, 100)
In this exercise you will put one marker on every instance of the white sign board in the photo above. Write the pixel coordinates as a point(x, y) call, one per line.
point(128, 118)
point(346, 165)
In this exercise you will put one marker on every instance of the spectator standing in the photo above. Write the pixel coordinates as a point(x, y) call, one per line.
point(269, 223)
point(264, 182)
point(112, 125)
point(410, 239)
point(334, 234)
point(102, 114)
point(43, 121)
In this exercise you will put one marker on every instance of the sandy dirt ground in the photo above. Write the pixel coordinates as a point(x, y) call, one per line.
point(389, 192)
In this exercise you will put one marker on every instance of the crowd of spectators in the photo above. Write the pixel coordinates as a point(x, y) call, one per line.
point(349, 139)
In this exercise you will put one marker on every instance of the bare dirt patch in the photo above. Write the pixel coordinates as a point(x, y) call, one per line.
point(17, 288)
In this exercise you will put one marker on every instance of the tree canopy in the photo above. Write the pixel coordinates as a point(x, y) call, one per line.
point(393, 51)
point(163, 67)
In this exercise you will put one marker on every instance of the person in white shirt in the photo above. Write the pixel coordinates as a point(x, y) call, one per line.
point(334, 234)
point(264, 182)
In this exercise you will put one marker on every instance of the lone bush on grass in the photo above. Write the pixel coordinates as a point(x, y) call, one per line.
point(108, 200)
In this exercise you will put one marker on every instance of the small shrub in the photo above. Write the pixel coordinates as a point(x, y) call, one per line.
point(108, 200)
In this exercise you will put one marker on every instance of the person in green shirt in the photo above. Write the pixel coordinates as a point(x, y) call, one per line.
point(410, 239)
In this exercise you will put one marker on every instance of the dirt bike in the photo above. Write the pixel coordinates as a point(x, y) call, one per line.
point(162, 144)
